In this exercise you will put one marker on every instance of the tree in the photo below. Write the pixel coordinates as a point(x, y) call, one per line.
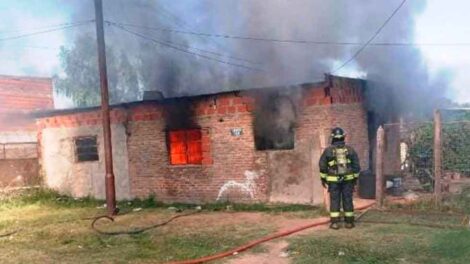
point(81, 80)
point(455, 142)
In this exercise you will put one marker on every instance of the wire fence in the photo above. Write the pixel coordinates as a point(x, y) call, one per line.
point(409, 156)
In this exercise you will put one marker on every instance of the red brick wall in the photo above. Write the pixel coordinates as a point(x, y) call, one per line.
point(19, 96)
point(231, 156)
point(23, 93)
point(226, 157)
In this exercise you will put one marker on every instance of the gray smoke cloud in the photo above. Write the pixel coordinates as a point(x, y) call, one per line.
point(398, 78)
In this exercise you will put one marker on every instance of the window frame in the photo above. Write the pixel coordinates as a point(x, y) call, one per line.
point(77, 147)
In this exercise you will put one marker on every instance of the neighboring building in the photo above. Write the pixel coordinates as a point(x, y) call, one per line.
point(19, 96)
point(260, 145)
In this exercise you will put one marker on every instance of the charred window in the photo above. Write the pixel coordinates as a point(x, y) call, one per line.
point(185, 146)
point(274, 125)
point(86, 149)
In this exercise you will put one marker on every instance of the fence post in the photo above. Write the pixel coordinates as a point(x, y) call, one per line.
point(379, 163)
point(437, 155)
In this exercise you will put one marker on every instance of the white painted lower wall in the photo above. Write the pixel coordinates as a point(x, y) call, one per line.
point(79, 179)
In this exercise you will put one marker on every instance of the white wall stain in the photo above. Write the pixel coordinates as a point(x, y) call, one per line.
point(248, 186)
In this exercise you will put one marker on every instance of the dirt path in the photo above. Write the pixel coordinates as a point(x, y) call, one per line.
point(277, 250)
point(275, 254)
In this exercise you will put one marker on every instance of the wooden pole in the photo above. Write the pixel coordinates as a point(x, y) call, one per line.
point(108, 149)
point(326, 194)
point(437, 156)
point(379, 164)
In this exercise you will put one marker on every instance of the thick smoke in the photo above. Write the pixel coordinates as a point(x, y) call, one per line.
point(275, 119)
point(161, 68)
point(398, 77)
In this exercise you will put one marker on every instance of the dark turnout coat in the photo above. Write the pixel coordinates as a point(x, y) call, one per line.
point(339, 162)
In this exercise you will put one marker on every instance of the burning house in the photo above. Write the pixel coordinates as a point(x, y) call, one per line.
point(19, 96)
point(259, 145)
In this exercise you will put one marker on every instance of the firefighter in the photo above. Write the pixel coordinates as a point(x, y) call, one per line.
point(339, 171)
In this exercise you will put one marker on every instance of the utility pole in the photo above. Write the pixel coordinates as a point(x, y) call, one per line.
point(437, 156)
point(108, 148)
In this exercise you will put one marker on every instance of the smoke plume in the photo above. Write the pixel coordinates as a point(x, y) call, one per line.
point(397, 76)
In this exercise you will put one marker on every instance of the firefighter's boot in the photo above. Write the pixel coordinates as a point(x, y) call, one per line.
point(334, 223)
point(349, 222)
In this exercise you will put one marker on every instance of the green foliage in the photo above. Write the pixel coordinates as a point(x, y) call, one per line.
point(81, 81)
point(455, 143)
point(456, 151)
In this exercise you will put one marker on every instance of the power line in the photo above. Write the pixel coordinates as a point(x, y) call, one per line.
point(45, 27)
point(184, 50)
point(263, 39)
point(372, 38)
point(203, 50)
point(70, 25)
point(293, 41)
point(180, 23)
point(33, 47)
point(183, 24)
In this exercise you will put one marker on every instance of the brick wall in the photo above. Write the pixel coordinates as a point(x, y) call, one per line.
point(18, 97)
point(25, 93)
point(232, 168)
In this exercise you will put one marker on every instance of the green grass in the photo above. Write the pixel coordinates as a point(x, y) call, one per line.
point(54, 199)
point(383, 244)
point(57, 235)
point(459, 203)
point(394, 243)
point(51, 229)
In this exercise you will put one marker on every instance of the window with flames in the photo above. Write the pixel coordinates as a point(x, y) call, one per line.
point(185, 146)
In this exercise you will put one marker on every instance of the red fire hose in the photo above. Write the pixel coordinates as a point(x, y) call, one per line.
point(257, 242)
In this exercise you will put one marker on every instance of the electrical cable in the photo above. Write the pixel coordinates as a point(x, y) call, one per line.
point(182, 24)
point(71, 25)
point(46, 26)
point(184, 50)
point(250, 38)
point(371, 38)
point(35, 47)
point(292, 41)
point(202, 50)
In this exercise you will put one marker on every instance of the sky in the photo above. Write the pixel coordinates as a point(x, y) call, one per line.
point(440, 22)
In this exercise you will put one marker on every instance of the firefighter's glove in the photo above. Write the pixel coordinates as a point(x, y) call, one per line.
point(324, 183)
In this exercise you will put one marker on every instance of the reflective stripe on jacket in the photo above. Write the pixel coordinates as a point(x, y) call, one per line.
point(328, 162)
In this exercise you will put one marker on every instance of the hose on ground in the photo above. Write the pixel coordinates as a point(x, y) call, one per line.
point(135, 231)
point(257, 242)
point(9, 234)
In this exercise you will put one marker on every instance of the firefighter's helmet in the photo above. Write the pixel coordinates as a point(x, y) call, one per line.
point(337, 134)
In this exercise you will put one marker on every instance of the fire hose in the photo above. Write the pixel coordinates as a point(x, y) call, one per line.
point(135, 231)
point(259, 241)
point(8, 234)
